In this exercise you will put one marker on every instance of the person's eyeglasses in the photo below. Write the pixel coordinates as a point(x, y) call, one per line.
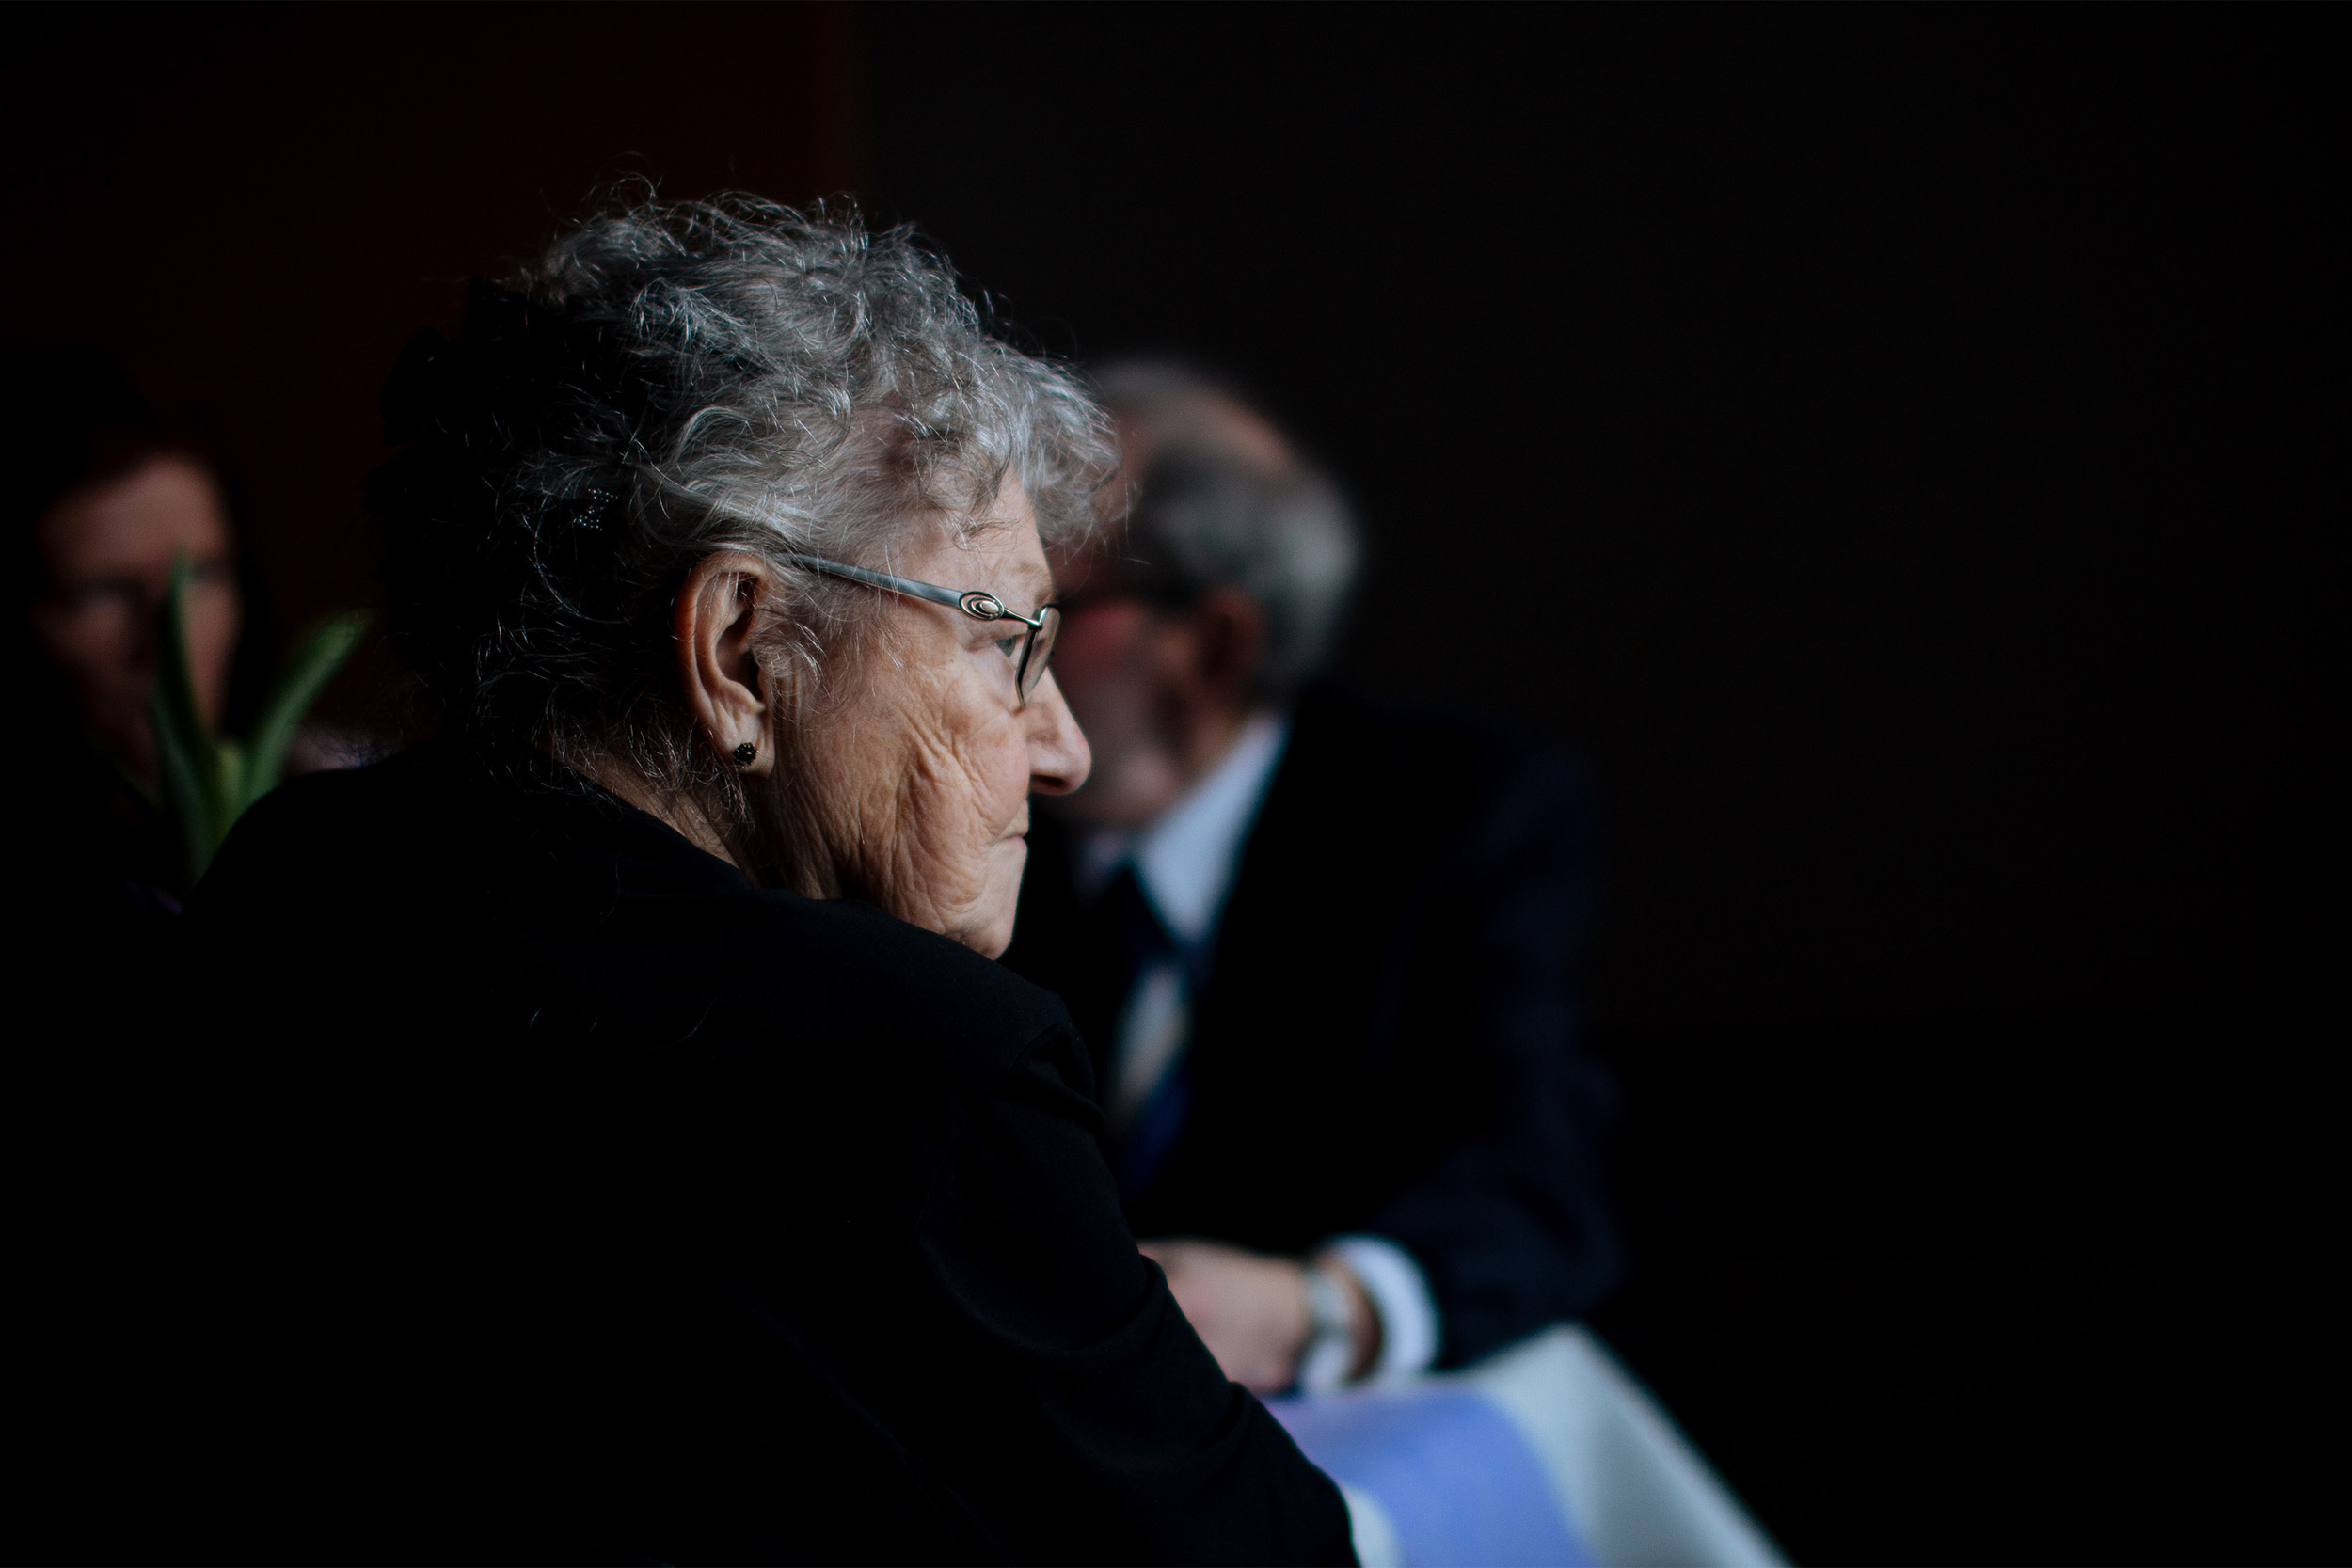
point(1029, 651)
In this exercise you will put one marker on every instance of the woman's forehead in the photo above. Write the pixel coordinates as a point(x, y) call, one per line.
point(1005, 549)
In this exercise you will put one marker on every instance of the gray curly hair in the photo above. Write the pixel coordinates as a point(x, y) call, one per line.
point(668, 381)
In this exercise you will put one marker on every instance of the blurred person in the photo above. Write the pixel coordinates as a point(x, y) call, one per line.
point(103, 495)
point(634, 1150)
point(1325, 950)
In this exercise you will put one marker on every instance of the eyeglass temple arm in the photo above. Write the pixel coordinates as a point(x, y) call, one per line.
point(908, 586)
point(980, 606)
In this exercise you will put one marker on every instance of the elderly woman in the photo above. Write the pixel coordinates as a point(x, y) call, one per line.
point(634, 1150)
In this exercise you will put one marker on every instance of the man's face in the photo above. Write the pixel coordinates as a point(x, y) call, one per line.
point(1113, 661)
point(1160, 691)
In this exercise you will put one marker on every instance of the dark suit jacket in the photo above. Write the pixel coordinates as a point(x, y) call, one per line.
point(1388, 1038)
point(548, 1192)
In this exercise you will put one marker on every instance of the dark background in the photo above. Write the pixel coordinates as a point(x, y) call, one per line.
point(1903, 450)
point(259, 204)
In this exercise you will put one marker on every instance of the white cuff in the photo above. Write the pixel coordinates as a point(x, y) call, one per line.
point(1400, 1294)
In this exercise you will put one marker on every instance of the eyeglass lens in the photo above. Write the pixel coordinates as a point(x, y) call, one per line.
point(1040, 651)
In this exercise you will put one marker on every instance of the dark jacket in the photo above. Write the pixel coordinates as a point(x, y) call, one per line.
point(567, 1197)
point(1388, 1038)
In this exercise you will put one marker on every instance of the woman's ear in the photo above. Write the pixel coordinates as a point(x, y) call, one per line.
point(717, 624)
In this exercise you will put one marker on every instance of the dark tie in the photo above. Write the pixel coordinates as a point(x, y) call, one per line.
point(1141, 1145)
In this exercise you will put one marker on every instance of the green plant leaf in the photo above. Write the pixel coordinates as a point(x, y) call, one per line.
point(186, 757)
point(231, 762)
point(316, 658)
point(209, 781)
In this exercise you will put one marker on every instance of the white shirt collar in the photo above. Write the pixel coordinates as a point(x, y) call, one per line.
point(1187, 859)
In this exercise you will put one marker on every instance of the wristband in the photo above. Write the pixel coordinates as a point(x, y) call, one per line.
point(1331, 1353)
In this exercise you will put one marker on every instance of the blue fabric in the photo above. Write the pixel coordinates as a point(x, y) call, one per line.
point(1457, 1480)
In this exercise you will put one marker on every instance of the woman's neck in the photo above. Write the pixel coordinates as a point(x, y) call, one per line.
point(682, 813)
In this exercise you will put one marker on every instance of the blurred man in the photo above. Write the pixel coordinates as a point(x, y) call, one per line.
point(1324, 951)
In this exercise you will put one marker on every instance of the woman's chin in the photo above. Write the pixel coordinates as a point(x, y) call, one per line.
point(991, 927)
point(988, 934)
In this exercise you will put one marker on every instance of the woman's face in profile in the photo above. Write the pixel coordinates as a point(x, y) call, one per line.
point(924, 773)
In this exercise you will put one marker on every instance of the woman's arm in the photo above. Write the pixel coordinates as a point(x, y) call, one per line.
point(1026, 1238)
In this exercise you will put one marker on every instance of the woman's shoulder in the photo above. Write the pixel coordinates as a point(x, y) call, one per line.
point(318, 835)
point(854, 963)
point(496, 889)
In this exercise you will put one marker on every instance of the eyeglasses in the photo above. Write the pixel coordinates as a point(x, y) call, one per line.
point(1029, 651)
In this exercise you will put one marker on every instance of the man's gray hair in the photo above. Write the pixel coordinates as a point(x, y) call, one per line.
point(1221, 500)
point(668, 381)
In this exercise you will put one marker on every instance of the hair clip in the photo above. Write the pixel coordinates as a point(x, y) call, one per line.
point(599, 502)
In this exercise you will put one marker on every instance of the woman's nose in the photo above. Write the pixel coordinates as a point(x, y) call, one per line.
point(1060, 759)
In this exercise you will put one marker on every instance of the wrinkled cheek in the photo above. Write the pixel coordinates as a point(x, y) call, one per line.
point(911, 852)
point(963, 875)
